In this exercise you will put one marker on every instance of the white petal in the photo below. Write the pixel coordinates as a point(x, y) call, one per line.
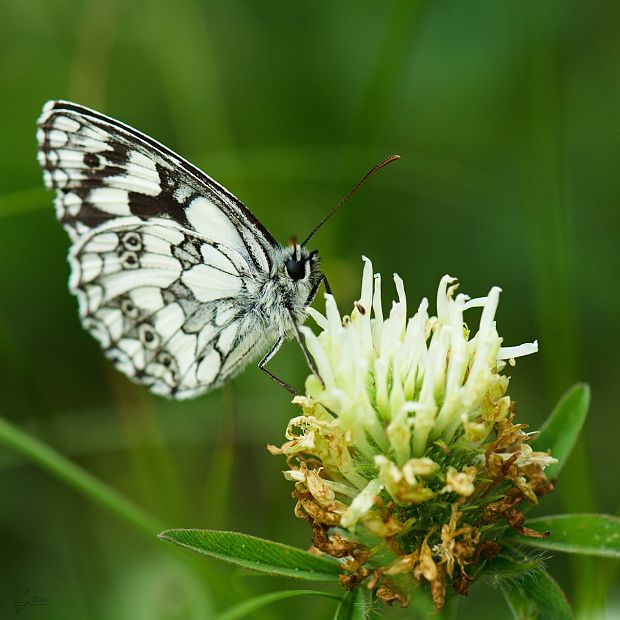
point(490, 307)
point(367, 280)
point(318, 318)
point(362, 504)
point(477, 302)
point(527, 348)
point(442, 298)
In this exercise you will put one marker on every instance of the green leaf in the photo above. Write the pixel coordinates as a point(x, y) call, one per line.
point(561, 429)
point(353, 605)
point(588, 534)
point(247, 607)
point(534, 594)
point(256, 554)
point(505, 566)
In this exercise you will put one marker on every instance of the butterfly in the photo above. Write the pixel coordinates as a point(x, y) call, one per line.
point(175, 277)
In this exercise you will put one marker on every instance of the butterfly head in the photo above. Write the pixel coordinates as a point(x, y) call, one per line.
point(299, 263)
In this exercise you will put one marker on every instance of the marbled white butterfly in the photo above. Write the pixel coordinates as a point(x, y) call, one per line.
point(175, 277)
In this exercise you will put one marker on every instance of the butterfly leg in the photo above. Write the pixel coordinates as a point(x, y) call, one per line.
point(268, 357)
point(328, 288)
point(302, 343)
point(315, 290)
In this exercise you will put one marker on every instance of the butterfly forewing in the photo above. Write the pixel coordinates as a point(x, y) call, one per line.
point(164, 258)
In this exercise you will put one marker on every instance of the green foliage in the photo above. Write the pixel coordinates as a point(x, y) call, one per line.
point(586, 534)
point(532, 594)
point(73, 475)
point(263, 556)
point(354, 605)
point(496, 109)
point(513, 565)
point(240, 611)
point(561, 430)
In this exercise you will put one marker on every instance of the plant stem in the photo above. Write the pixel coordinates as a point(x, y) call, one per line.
point(56, 464)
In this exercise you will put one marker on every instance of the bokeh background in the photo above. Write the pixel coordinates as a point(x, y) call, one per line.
point(506, 115)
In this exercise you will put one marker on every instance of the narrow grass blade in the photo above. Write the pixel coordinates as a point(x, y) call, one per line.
point(247, 607)
point(587, 534)
point(255, 554)
point(81, 480)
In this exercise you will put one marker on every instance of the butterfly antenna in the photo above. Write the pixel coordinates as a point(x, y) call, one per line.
point(382, 164)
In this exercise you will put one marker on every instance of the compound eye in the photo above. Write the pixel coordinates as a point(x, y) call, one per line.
point(296, 269)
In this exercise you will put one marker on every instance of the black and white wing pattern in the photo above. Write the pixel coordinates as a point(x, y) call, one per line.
point(164, 259)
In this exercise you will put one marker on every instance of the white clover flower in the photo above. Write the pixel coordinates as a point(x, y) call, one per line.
point(404, 435)
point(527, 456)
point(461, 482)
point(404, 382)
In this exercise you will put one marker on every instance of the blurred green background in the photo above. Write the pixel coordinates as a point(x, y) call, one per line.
point(506, 115)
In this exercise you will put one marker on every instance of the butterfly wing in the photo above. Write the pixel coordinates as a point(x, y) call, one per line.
point(165, 260)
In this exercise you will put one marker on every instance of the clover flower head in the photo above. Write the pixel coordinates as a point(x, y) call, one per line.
point(406, 453)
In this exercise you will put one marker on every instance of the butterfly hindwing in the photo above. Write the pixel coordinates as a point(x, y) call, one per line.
point(166, 317)
point(164, 259)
